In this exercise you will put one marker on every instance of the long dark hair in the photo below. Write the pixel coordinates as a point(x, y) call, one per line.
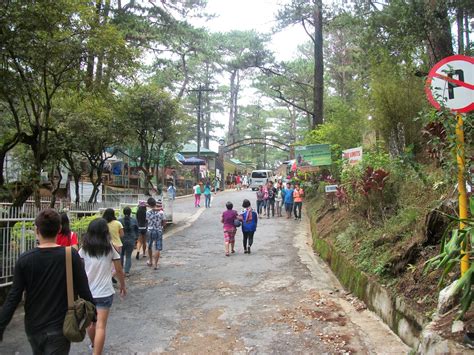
point(109, 215)
point(126, 219)
point(65, 228)
point(97, 238)
point(141, 216)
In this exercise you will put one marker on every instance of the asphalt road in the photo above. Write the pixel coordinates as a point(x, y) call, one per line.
point(279, 299)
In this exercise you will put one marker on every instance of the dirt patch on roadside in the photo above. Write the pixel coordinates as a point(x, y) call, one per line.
point(204, 332)
point(323, 318)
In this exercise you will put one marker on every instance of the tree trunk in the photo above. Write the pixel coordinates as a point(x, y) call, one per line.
point(55, 188)
point(231, 107)
point(460, 26)
point(439, 31)
point(23, 195)
point(467, 30)
point(77, 181)
point(318, 65)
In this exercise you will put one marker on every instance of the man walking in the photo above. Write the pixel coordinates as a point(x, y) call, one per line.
point(271, 199)
point(156, 220)
point(41, 273)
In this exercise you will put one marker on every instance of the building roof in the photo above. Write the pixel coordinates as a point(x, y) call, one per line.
point(190, 149)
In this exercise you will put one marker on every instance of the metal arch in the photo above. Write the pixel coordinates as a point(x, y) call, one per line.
point(267, 141)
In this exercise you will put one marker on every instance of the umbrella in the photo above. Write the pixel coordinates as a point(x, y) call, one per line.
point(193, 161)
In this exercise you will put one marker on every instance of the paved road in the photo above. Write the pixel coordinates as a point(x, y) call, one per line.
point(279, 299)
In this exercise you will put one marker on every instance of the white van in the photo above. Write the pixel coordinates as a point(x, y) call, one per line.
point(260, 177)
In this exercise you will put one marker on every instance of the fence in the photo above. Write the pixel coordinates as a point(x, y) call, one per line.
point(17, 233)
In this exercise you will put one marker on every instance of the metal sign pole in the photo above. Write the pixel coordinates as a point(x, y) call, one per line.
point(462, 189)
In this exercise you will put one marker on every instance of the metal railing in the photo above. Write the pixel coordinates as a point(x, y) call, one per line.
point(17, 233)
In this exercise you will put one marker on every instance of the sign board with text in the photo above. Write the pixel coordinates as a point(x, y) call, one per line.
point(330, 188)
point(353, 155)
point(313, 155)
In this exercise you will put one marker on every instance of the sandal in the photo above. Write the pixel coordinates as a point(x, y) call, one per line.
point(227, 254)
point(148, 263)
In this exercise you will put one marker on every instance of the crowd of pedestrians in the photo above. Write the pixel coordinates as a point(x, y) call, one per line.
point(105, 258)
point(107, 247)
point(271, 199)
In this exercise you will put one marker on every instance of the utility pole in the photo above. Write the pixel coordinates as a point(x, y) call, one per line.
point(199, 90)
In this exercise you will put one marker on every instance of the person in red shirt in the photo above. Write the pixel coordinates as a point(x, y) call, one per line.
point(66, 237)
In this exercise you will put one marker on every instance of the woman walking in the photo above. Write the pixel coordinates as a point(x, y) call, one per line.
point(197, 195)
point(278, 200)
point(66, 237)
point(227, 219)
point(207, 194)
point(249, 225)
point(115, 228)
point(130, 236)
point(260, 202)
point(99, 256)
point(142, 228)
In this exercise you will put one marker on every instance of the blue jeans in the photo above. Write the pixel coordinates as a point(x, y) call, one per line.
point(208, 200)
point(126, 254)
point(260, 206)
point(104, 302)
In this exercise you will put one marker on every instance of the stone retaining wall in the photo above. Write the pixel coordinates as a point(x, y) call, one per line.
point(405, 322)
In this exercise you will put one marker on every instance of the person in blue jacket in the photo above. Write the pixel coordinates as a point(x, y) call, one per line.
point(249, 225)
point(288, 200)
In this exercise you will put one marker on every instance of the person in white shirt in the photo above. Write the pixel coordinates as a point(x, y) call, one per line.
point(100, 256)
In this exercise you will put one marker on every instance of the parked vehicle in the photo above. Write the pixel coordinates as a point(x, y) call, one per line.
point(260, 177)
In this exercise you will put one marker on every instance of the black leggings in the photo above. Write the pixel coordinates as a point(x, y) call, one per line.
point(297, 208)
point(248, 236)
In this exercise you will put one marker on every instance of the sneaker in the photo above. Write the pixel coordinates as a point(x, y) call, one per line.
point(246, 251)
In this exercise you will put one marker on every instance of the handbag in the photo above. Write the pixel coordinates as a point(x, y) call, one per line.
point(237, 223)
point(80, 313)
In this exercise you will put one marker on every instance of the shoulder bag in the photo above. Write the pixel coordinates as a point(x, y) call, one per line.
point(80, 313)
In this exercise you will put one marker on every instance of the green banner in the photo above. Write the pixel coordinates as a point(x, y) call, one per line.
point(313, 155)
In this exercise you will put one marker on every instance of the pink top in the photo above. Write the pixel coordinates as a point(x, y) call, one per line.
point(228, 218)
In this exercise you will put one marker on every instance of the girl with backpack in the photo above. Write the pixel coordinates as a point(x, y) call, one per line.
point(249, 225)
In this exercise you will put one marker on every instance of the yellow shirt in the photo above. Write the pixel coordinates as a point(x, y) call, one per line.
point(114, 230)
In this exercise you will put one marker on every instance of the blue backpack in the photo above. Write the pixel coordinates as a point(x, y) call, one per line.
point(250, 226)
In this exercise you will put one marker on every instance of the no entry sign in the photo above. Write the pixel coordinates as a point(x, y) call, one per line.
point(450, 84)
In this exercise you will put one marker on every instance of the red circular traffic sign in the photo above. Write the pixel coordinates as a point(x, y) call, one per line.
point(450, 84)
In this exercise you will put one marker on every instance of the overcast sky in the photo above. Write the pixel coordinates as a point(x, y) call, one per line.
point(247, 15)
point(258, 15)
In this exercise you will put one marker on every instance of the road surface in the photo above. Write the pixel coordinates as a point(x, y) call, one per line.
point(279, 299)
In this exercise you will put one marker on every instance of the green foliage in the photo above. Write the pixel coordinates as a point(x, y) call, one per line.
point(80, 225)
point(453, 247)
point(398, 97)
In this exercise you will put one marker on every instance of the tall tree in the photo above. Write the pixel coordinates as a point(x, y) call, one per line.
point(240, 52)
point(156, 121)
point(310, 15)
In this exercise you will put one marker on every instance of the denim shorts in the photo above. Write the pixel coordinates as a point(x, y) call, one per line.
point(155, 237)
point(104, 302)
